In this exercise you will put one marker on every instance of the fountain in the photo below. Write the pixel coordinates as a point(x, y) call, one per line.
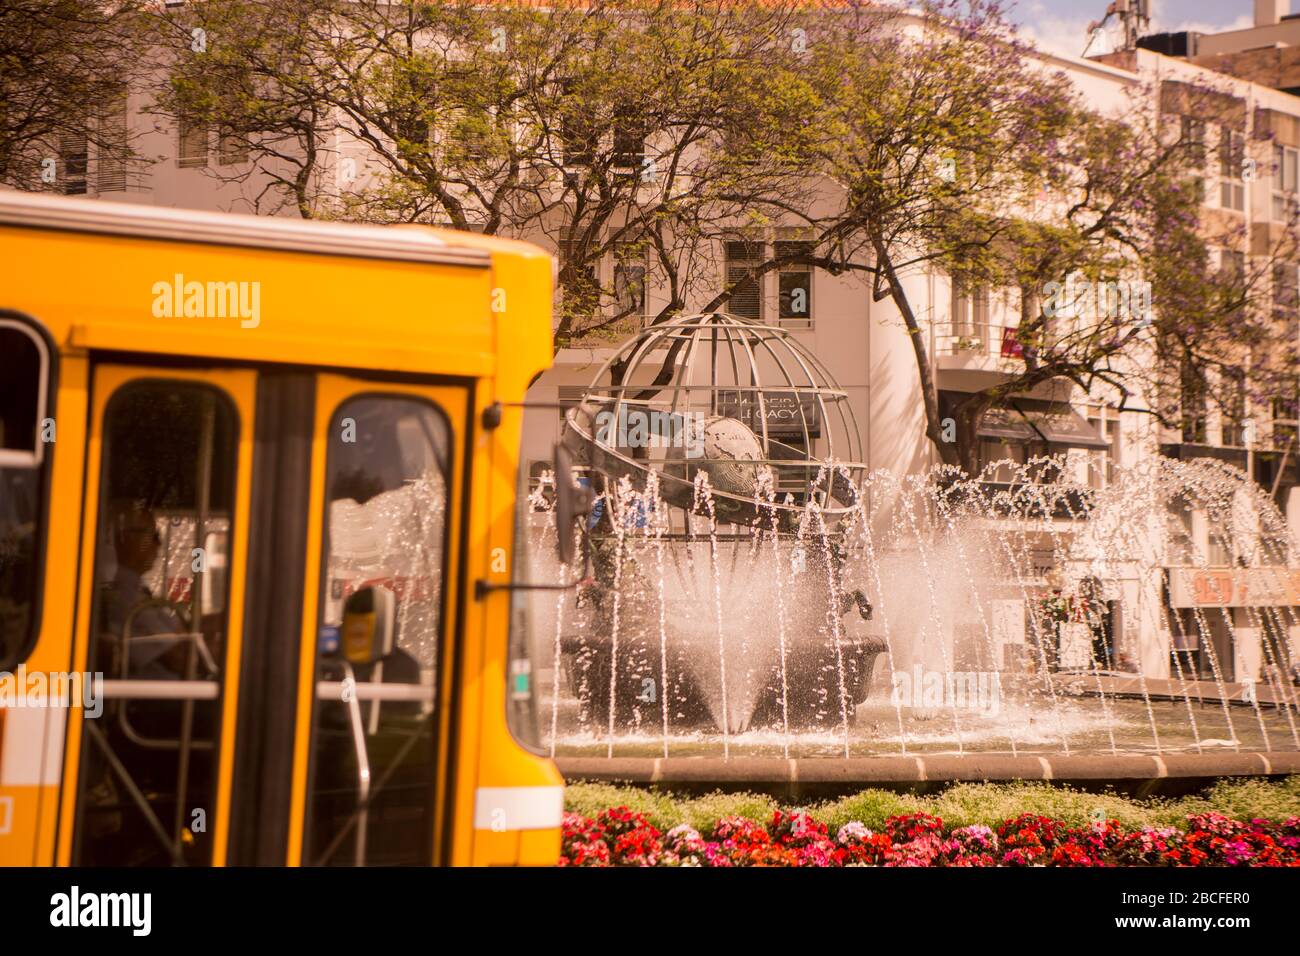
point(706, 434)
point(756, 595)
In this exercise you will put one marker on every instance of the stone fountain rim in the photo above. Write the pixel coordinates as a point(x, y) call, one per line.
point(794, 773)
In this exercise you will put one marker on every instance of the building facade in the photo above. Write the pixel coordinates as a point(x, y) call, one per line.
point(1252, 178)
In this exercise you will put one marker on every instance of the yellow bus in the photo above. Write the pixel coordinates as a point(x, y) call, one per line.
point(258, 480)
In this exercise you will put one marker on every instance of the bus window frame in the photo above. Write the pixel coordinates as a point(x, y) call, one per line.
point(136, 377)
point(44, 461)
point(374, 390)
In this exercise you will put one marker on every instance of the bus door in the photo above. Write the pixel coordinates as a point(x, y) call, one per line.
point(165, 523)
point(371, 767)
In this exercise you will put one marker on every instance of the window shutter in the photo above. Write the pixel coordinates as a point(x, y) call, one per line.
point(231, 150)
point(746, 298)
point(192, 143)
point(72, 162)
point(111, 172)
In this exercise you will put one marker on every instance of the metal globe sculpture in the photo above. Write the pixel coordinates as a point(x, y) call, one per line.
point(745, 405)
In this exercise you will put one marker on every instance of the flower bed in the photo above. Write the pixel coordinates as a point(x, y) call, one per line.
point(619, 836)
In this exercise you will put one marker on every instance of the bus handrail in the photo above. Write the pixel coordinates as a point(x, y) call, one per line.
point(407, 693)
point(117, 689)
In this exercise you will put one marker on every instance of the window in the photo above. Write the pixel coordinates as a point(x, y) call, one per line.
point(1284, 414)
point(1232, 161)
point(1101, 461)
point(970, 314)
point(191, 142)
point(630, 279)
point(380, 626)
point(1193, 393)
point(1192, 132)
point(580, 288)
point(1285, 288)
point(1218, 543)
point(1232, 265)
point(72, 162)
point(232, 148)
point(629, 136)
point(1286, 180)
point(531, 661)
point(746, 299)
point(1234, 408)
point(25, 386)
point(471, 135)
point(111, 174)
point(1232, 275)
point(579, 136)
point(1181, 546)
point(569, 396)
point(162, 547)
point(795, 282)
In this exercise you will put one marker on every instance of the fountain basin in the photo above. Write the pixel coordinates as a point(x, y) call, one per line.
point(806, 698)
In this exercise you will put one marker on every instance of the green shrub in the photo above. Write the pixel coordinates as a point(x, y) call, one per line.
point(589, 799)
point(703, 812)
point(991, 803)
point(1242, 799)
point(871, 807)
point(960, 805)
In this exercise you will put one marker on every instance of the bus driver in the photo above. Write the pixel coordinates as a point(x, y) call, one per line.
point(136, 543)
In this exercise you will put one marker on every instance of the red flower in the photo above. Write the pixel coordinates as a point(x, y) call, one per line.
point(911, 826)
point(582, 842)
point(633, 840)
point(621, 837)
point(796, 829)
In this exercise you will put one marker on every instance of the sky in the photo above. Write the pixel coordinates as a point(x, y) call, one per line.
point(1062, 25)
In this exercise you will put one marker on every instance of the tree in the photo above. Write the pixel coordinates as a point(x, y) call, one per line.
point(251, 70)
point(935, 129)
point(954, 149)
point(65, 66)
point(638, 131)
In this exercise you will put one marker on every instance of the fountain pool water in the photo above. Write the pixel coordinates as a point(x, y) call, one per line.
point(937, 615)
point(754, 591)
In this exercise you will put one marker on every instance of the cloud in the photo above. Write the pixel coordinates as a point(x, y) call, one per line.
point(1069, 34)
point(1064, 35)
point(1166, 22)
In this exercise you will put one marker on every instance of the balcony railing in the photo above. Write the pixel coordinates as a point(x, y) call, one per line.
point(976, 338)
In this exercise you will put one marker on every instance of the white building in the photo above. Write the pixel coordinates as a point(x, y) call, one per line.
point(863, 342)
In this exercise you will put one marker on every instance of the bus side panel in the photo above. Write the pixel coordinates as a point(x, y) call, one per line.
point(513, 801)
point(32, 739)
point(518, 799)
point(312, 310)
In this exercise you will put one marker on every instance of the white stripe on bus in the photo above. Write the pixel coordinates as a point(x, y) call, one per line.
point(518, 808)
point(31, 753)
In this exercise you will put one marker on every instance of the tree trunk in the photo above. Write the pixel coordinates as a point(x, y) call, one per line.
point(969, 414)
point(934, 430)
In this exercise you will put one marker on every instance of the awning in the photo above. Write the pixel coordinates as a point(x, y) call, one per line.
point(1032, 420)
